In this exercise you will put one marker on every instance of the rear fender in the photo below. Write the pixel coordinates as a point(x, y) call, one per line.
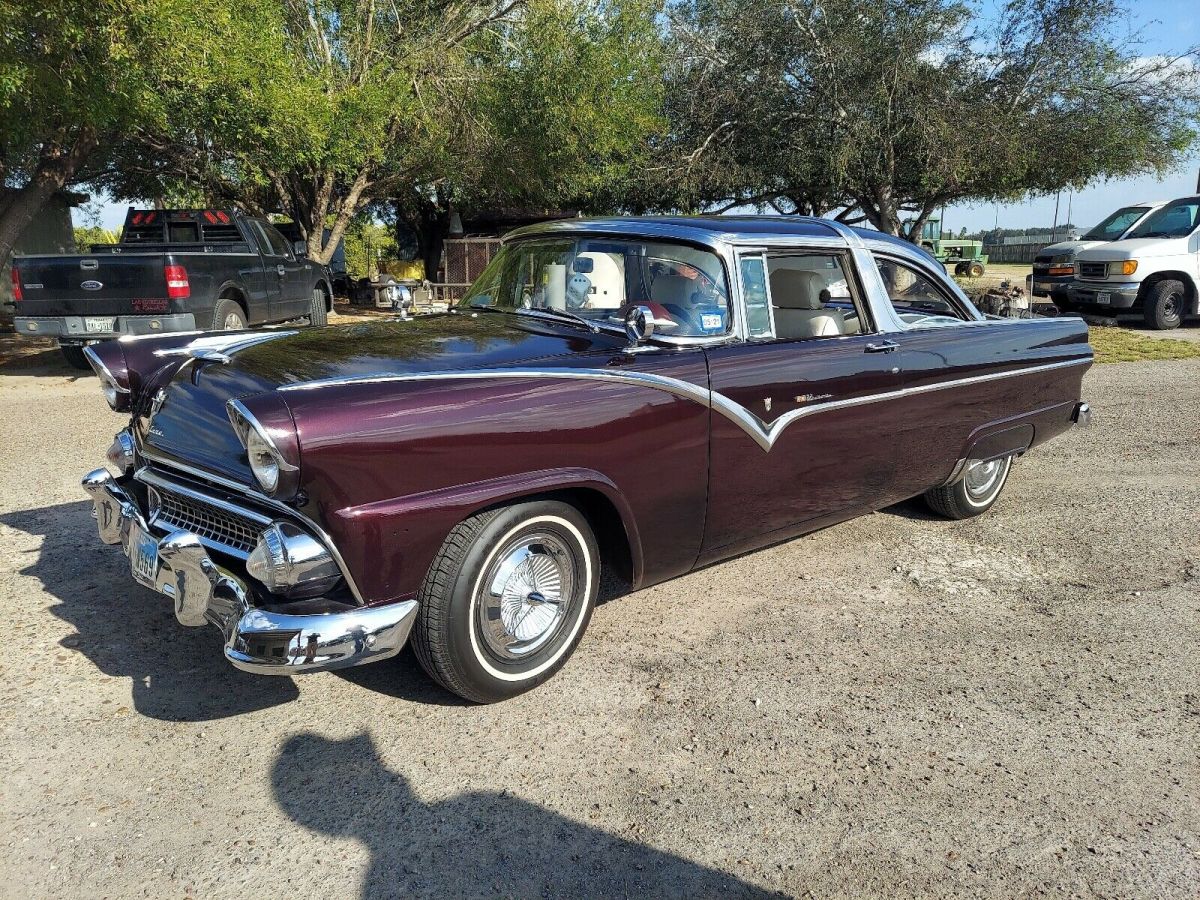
point(1013, 436)
point(399, 538)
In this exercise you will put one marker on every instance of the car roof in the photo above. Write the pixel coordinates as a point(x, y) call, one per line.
point(714, 228)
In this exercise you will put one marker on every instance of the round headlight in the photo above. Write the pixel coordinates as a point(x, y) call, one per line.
point(263, 462)
point(111, 395)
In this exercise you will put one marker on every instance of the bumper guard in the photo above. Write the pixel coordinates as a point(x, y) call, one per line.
point(262, 640)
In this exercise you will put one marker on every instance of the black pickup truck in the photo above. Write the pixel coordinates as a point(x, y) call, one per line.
point(174, 270)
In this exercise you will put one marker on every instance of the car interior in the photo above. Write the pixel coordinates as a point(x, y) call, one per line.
point(810, 297)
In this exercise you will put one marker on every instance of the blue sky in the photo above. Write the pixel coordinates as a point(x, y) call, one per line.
point(1164, 26)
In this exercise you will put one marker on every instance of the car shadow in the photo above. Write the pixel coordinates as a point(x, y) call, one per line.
point(35, 356)
point(476, 843)
point(127, 631)
point(914, 509)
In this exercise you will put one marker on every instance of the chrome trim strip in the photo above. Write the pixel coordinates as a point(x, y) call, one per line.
point(259, 497)
point(102, 371)
point(146, 475)
point(235, 408)
point(762, 433)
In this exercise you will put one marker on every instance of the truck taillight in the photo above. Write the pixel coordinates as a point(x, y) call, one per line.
point(16, 277)
point(177, 282)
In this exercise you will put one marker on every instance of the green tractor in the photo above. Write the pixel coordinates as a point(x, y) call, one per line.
point(964, 257)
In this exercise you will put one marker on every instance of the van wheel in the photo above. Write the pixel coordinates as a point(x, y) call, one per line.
point(972, 494)
point(507, 599)
point(74, 356)
point(228, 316)
point(1163, 306)
point(318, 315)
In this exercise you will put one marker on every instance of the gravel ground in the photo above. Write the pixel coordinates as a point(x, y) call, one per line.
point(896, 706)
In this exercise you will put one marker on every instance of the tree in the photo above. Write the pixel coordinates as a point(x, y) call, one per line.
point(327, 106)
point(886, 111)
point(73, 76)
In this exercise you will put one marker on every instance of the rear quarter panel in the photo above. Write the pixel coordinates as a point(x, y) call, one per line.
point(1039, 366)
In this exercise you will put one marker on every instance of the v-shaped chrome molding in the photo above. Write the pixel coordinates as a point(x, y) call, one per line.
point(762, 433)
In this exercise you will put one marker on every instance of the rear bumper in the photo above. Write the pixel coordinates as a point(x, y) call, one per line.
point(73, 329)
point(1104, 296)
point(258, 639)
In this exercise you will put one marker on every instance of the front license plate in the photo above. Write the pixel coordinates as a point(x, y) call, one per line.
point(1103, 297)
point(102, 326)
point(144, 558)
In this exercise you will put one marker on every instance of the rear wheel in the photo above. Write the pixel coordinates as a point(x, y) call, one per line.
point(318, 314)
point(972, 494)
point(960, 269)
point(1163, 305)
point(73, 354)
point(228, 316)
point(507, 599)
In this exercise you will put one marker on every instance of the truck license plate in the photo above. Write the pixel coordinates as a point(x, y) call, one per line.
point(144, 558)
point(99, 325)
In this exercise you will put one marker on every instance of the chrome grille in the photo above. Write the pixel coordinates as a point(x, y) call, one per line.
point(214, 526)
point(1093, 270)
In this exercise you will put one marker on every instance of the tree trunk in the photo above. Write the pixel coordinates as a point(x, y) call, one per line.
point(55, 169)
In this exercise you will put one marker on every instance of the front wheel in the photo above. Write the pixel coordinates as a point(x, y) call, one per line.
point(975, 270)
point(972, 494)
point(1163, 306)
point(507, 599)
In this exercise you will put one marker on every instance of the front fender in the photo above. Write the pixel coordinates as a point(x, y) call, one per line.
point(399, 538)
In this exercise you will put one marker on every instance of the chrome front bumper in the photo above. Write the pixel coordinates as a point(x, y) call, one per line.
point(260, 640)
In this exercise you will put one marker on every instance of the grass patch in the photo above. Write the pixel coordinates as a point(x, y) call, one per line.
point(1122, 345)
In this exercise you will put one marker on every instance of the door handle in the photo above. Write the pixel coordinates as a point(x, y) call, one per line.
point(882, 347)
point(279, 270)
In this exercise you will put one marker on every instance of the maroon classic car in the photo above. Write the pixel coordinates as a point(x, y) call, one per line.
point(650, 395)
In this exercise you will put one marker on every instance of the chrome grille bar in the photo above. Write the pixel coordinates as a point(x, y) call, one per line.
point(221, 526)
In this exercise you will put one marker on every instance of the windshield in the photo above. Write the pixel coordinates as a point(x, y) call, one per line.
point(1116, 224)
point(1177, 219)
point(598, 279)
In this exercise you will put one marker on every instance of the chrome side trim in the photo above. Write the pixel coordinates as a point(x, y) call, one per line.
point(235, 410)
point(259, 497)
point(102, 371)
point(762, 433)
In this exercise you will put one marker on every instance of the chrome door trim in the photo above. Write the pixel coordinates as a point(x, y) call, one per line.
point(762, 433)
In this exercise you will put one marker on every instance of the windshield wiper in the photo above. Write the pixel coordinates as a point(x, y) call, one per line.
point(561, 314)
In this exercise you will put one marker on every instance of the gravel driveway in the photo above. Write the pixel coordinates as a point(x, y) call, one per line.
point(895, 706)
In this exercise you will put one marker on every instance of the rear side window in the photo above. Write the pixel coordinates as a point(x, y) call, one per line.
point(918, 301)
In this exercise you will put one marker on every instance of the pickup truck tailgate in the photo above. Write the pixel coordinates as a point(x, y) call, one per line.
point(104, 284)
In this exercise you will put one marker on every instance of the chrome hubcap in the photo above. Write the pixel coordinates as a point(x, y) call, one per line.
point(982, 478)
point(526, 595)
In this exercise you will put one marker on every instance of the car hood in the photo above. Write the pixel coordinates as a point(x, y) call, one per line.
point(188, 424)
point(1137, 248)
point(1066, 247)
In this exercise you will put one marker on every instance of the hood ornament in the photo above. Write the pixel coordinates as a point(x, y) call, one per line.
point(221, 348)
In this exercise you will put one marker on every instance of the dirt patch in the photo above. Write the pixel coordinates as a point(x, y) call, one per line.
point(898, 706)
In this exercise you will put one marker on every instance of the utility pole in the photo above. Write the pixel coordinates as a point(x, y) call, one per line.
point(1198, 181)
point(1054, 229)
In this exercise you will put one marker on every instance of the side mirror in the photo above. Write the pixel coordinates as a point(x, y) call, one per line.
point(639, 324)
point(300, 249)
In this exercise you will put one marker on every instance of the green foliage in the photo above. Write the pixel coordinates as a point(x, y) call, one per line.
point(367, 242)
point(93, 234)
point(895, 108)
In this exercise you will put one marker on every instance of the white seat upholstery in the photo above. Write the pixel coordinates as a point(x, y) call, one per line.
point(798, 297)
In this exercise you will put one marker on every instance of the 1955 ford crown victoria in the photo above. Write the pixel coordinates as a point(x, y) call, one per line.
point(649, 394)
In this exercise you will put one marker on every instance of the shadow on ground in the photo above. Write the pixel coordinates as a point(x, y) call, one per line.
point(476, 843)
point(127, 631)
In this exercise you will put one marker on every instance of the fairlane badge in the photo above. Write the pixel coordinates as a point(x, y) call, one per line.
point(91, 285)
